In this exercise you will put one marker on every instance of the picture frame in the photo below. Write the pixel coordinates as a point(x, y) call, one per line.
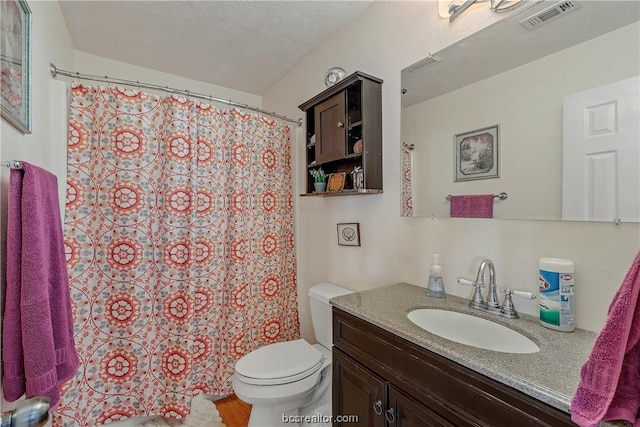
point(477, 154)
point(335, 182)
point(15, 64)
point(349, 234)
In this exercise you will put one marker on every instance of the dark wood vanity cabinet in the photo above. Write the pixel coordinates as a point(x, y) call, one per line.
point(361, 391)
point(344, 131)
point(374, 399)
point(388, 381)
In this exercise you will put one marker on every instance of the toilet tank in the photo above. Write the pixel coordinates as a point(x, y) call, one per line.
point(319, 296)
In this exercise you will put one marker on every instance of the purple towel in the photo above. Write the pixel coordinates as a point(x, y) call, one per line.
point(38, 348)
point(472, 206)
point(609, 386)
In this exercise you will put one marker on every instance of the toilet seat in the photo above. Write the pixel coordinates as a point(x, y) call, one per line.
point(279, 363)
point(279, 380)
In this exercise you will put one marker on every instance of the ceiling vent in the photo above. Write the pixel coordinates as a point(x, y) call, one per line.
point(549, 14)
point(424, 63)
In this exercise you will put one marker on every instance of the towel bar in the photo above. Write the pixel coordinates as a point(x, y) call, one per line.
point(13, 164)
point(501, 196)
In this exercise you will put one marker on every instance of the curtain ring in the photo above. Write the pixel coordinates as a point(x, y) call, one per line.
point(77, 77)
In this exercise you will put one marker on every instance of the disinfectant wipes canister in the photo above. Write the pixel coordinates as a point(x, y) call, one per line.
point(557, 291)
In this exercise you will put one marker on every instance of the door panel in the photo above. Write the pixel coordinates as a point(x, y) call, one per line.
point(357, 391)
point(409, 413)
point(601, 153)
point(330, 129)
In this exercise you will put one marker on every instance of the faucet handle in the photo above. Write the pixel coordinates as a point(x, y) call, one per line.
point(467, 282)
point(508, 310)
point(521, 294)
point(478, 300)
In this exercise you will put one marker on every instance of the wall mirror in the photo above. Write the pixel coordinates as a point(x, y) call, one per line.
point(515, 76)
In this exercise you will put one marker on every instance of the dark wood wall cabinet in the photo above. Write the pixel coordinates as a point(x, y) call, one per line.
point(388, 381)
point(344, 132)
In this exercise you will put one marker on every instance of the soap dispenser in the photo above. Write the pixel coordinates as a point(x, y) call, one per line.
point(435, 287)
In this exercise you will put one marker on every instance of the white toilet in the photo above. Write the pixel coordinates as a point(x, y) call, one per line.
point(290, 380)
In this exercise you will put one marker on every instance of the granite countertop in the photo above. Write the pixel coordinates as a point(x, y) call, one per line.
point(551, 375)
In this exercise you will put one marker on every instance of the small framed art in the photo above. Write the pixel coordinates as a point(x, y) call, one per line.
point(477, 154)
point(349, 234)
point(335, 182)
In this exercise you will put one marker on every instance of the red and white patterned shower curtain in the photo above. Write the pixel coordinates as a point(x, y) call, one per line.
point(180, 249)
point(407, 181)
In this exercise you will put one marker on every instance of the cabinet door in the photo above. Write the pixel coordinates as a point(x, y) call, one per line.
point(403, 411)
point(330, 129)
point(357, 391)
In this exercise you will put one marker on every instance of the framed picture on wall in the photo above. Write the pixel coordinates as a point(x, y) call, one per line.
point(15, 63)
point(476, 154)
point(349, 234)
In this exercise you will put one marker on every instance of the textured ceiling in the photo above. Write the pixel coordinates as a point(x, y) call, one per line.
point(242, 45)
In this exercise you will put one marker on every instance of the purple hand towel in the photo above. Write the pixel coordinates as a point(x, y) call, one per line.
point(38, 348)
point(472, 206)
point(609, 386)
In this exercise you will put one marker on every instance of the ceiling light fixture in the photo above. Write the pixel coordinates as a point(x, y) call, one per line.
point(453, 9)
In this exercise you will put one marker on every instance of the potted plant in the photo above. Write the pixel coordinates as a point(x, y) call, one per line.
point(319, 180)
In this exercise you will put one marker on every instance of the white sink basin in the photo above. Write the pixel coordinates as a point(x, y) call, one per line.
point(472, 330)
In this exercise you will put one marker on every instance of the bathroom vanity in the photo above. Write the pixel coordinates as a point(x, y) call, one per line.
point(389, 371)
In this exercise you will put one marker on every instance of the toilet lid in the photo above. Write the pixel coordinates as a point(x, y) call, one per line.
point(279, 363)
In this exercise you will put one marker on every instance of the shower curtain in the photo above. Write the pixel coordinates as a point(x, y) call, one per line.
point(180, 249)
point(407, 192)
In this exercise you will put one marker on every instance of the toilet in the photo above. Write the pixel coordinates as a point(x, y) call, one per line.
point(290, 382)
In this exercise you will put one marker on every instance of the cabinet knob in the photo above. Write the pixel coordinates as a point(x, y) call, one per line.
point(377, 407)
point(390, 415)
point(340, 124)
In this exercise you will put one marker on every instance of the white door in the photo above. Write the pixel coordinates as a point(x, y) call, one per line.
point(601, 153)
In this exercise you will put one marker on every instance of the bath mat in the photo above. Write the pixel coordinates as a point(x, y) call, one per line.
point(203, 414)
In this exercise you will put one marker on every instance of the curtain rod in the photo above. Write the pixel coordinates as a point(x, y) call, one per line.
point(106, 79)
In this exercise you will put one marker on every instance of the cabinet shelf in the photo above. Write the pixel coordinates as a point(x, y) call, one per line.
point(348, 192)
point(357, 101)
point(345, 164)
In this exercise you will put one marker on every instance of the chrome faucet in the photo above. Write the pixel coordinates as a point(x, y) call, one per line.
point(33, 412)
point(492, 303)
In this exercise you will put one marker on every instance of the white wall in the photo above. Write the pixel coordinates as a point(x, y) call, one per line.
point(100, 66)
point(45, 146)
point(387, 37)
point(527, 103)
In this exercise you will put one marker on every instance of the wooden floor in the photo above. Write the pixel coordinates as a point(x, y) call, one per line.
point(234, 412)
